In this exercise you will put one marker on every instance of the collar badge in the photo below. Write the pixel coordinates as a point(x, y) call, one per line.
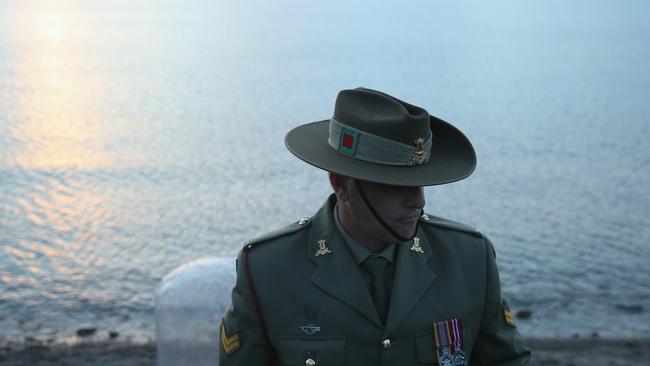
point(416, 246)
point(322, 248)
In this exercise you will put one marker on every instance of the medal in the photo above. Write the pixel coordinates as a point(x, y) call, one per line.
point(445, 358)
point(448, 336)
point(457, 341)
point(459, 359)
point(441, 337)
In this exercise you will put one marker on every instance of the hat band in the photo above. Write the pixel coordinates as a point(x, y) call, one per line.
point(377, 149)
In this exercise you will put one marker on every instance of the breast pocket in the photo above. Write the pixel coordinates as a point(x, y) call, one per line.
point(324, 351)
point(425, 346)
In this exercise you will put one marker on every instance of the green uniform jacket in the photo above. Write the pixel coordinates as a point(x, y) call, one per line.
point(319, 307)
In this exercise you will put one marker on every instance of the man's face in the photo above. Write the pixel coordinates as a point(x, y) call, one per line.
point(400, 208)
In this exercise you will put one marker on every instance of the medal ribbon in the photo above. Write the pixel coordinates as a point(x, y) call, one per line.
point(457, 334)
point(441, 336)
point(441, 333)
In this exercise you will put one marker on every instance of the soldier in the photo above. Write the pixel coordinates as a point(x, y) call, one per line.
point(370, 279)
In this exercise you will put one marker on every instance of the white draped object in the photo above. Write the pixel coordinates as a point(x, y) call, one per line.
point(190, 302)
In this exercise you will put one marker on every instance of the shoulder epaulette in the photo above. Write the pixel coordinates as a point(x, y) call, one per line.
point(449, 224)
point(292, 228)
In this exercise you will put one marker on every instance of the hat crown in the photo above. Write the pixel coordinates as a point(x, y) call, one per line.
point(381, 114)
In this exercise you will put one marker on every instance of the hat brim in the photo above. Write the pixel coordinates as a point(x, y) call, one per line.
point(452, 157)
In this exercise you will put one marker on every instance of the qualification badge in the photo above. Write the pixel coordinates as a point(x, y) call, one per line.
point(448, 336)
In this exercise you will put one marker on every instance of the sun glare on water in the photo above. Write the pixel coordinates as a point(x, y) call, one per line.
point(57, 121)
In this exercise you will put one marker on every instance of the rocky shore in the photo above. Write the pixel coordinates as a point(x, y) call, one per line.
point(92, 353)
point(546, 352)
point(594, 352)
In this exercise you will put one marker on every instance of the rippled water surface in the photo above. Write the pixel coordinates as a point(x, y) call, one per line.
point(135, 136)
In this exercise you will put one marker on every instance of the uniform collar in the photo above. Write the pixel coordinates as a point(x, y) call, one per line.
point(337, 272)
point(359, 252)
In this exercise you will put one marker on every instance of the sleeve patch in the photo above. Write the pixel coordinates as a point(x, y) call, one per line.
point(229, 343)
point(507, 314)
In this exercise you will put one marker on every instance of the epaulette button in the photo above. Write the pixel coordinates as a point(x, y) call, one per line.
point(303, 221)
point(425, 217)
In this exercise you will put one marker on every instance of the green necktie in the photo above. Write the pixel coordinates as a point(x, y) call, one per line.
point(376, 267)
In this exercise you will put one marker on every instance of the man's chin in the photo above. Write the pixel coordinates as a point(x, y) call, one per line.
point(406, 230)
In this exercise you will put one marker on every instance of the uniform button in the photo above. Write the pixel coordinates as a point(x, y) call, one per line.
point(310, 362)
point(303, 221)
point(425, 217)
point(385, 344)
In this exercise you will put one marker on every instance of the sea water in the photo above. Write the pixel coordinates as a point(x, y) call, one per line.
point(136, 136)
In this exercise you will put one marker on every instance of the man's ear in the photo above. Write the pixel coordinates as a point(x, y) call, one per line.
point(340, 184)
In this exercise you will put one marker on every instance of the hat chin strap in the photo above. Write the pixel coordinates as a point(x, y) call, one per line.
point(381, 221)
